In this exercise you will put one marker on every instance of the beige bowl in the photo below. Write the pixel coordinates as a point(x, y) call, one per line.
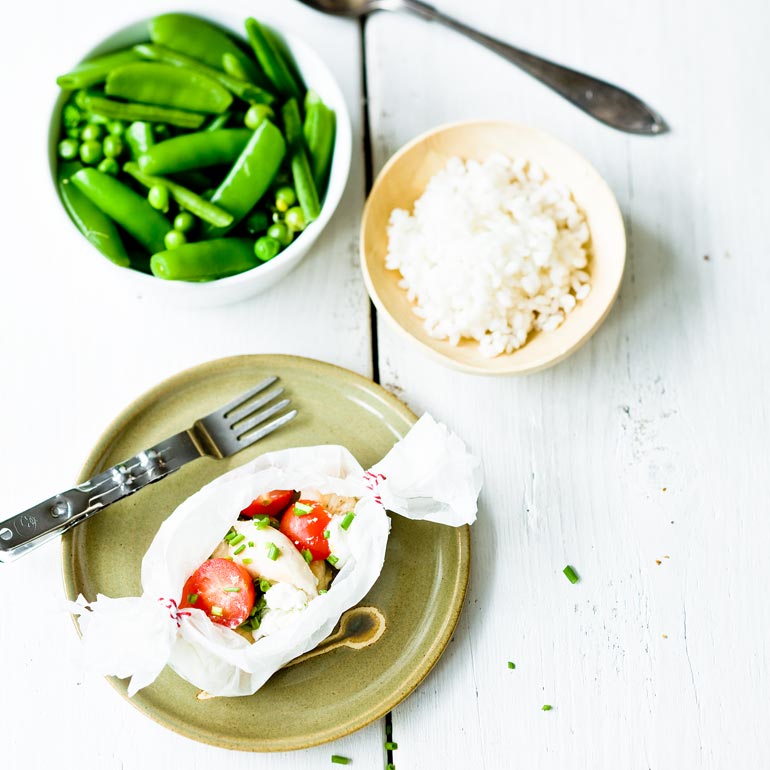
point(403, 180)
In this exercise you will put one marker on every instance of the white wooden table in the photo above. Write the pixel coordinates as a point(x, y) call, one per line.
point(642, 460)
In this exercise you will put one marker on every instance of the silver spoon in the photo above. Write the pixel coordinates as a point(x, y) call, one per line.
point(602, 100)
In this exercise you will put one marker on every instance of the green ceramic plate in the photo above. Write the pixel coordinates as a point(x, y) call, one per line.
point(420, 591)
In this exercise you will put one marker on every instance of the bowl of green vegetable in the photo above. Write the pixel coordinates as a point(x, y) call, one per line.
point(200, 165)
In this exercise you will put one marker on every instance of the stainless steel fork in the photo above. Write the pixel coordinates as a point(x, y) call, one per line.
point(222, 433)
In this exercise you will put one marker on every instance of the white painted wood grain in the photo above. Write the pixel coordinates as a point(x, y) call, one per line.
point(73, 357)
point(646, 665)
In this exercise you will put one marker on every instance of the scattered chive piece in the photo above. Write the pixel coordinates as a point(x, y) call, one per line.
point(307, 556)
point(246, 561)
point(326, 533)
point(390, 766)
point(572, 576)
point(230, 535)
point(332, 559)
point(323, 591)
point(251, 543)
point(264, 585)
point(273, 551)
point(262, 522)
point(511, 664)
point(547, 707)
point(229, 558)
point(192, 598)
point(391, 746)
point(216, 611)
point(348, 520)
point(240, 549)
point(300, 509)
point(237, 539)
point(232, 589)
point(338, 760)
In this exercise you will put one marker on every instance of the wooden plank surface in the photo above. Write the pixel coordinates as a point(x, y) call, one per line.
point(649, 443)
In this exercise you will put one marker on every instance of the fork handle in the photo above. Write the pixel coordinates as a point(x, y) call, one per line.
point(37, 525)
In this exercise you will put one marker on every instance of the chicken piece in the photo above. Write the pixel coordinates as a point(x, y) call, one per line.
point(322, 572)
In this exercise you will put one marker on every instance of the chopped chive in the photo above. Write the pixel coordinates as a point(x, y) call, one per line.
point(192, 598)
point(307, 556)
point(216, 611)
point(240, 549)
point(229, 558)
point(262, 522)
point(232, 589)
point(348, 520)
point(274, 523)
point(572, 576)
point(323, 591)
point(390, 766)
point(264, 585)
point(237, 539)
point(338, 760)
point(511, 664)
point(246, 561)
point(547, 707)
point(251, 543)
point(300, 509)
point(332, 559)
point(230, 535)
point(273, 551)
point(326, 533)
point(391, 746)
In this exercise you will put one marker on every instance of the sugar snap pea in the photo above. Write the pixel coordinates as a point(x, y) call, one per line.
point(96, 226)
point(109, 108)
point(121, 204)
point(139, 138)
point(168, 86)
point(292, 123)
point(199, 39)
point(197, 150)
point(205, 260)
point(187, 199)
point(271, 60)
point(252, 173)
point(93, 71)
point(318, 131)
point(307, 193)
point(241, 88)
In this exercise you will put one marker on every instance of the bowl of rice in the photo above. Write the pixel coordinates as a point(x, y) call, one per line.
point(495, 247)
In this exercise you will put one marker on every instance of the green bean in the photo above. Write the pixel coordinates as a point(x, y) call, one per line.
point(307, 193)
point(318, 131)
point(168, 86)
point(139, 138)
point(220, 121)
point(88, 73)
point(292, 123)
point(129, 209)
point(271, 60)
point(199, 39)
point(203, 209)
point(98, 228)
point(241, 88)
point(198, 150)
point(146, 112)
point(205, 260)
point(252, 173)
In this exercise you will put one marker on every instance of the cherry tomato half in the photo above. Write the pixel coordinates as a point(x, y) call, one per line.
point(271, 503)
point(221, 588)
point(305, 528)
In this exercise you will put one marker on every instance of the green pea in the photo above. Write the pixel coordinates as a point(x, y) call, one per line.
point(116, 128)
point(281, 233)
point(174, 239)
point(91, 133)
point(91, 152)
point(285, 198)
point(71, 115)
point(256, 222)
point(266, 248)
point(158, 197)
point(295, 219)
point(113, 146)
point(256, 114)
point(109, 166)
point(184, 221)
point(161, 130)
point(68, 149)
point(81, 100)
point(73, 133)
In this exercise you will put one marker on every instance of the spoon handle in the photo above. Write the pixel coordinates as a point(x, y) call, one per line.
point(603, 101)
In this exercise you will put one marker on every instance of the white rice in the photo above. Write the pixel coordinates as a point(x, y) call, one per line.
point(492, 251)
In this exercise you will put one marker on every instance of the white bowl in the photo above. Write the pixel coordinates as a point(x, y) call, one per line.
point(317, 76)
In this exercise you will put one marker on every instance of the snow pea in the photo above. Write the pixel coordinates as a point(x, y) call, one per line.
point(197, 150)
point(124, 206)
point(128, 111)
point(252, 173)
point(199, 39)
point(271, 59)
point(241, 88)
point(168, 86)
point(205, 260)
point(88, 73)
point(318, 130)
point(96, 226)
